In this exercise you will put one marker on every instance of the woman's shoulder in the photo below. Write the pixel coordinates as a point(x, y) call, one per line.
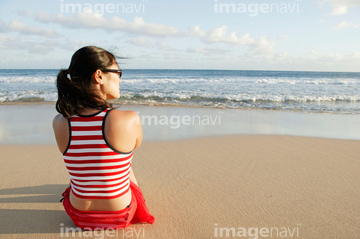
point(117, 114)
point(60, 127)
point(123, 129)
point(59, 121)
point(127, 117)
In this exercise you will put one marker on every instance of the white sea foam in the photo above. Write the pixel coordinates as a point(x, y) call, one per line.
point(269, 90)
point(27, 79)
point(29, 95)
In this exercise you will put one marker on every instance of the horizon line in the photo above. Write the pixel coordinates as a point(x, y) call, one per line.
point(193, 70)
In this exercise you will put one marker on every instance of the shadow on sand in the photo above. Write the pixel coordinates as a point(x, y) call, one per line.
point(27, 221)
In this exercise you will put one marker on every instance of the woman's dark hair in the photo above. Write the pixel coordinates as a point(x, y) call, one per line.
point(75, 90)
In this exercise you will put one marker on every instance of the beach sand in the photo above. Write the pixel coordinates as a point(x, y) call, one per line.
point(196, 188)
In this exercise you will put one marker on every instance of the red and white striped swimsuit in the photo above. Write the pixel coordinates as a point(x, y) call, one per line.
point(97, 171)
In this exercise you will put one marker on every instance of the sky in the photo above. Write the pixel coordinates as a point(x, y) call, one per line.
point(286, 35)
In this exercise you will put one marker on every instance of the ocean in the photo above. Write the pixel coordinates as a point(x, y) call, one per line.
point(320, 92)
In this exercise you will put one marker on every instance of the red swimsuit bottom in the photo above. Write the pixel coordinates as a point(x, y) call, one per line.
point(136, 212)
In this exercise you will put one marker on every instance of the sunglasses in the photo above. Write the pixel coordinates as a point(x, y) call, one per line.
point(119, 72)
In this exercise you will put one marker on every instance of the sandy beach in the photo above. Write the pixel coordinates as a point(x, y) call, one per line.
point(249, 111)
point(206, 187)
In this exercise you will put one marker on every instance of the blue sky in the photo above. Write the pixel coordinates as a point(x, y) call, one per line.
point(300, 35)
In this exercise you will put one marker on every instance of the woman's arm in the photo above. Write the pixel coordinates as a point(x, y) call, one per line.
point(138, 129)
point(61, 131)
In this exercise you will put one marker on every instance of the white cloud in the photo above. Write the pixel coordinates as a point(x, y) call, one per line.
point(33, 47)
point(219, 34)
point(169, 57)
point(93, 20)
point(2, 26)
point(206, 50)
point(17, 26)
point(264, 46)
point(36, 47)
point(26, 13)
point(261, 46)
point(334, 58)
point(345, 24)
point(312, 60)
point(283, 37)
point(164, 46)
point(139, 41)
point(196, 31)
point(145, 42)
point(340, 7)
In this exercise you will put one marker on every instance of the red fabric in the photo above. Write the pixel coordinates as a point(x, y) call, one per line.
point(136, 213)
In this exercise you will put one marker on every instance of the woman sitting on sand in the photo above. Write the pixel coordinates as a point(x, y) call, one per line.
point(97, 143)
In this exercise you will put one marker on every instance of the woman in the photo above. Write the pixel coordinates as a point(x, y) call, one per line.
point(97, 143)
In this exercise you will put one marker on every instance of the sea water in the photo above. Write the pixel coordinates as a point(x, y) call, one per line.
point(321, 92)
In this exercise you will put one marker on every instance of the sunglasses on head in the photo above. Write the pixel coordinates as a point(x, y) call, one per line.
point(119, 72)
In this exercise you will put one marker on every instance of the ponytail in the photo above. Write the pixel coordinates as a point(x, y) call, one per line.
point(76, 94)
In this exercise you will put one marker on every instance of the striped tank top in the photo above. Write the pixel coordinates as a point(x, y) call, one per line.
point(97, 171)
